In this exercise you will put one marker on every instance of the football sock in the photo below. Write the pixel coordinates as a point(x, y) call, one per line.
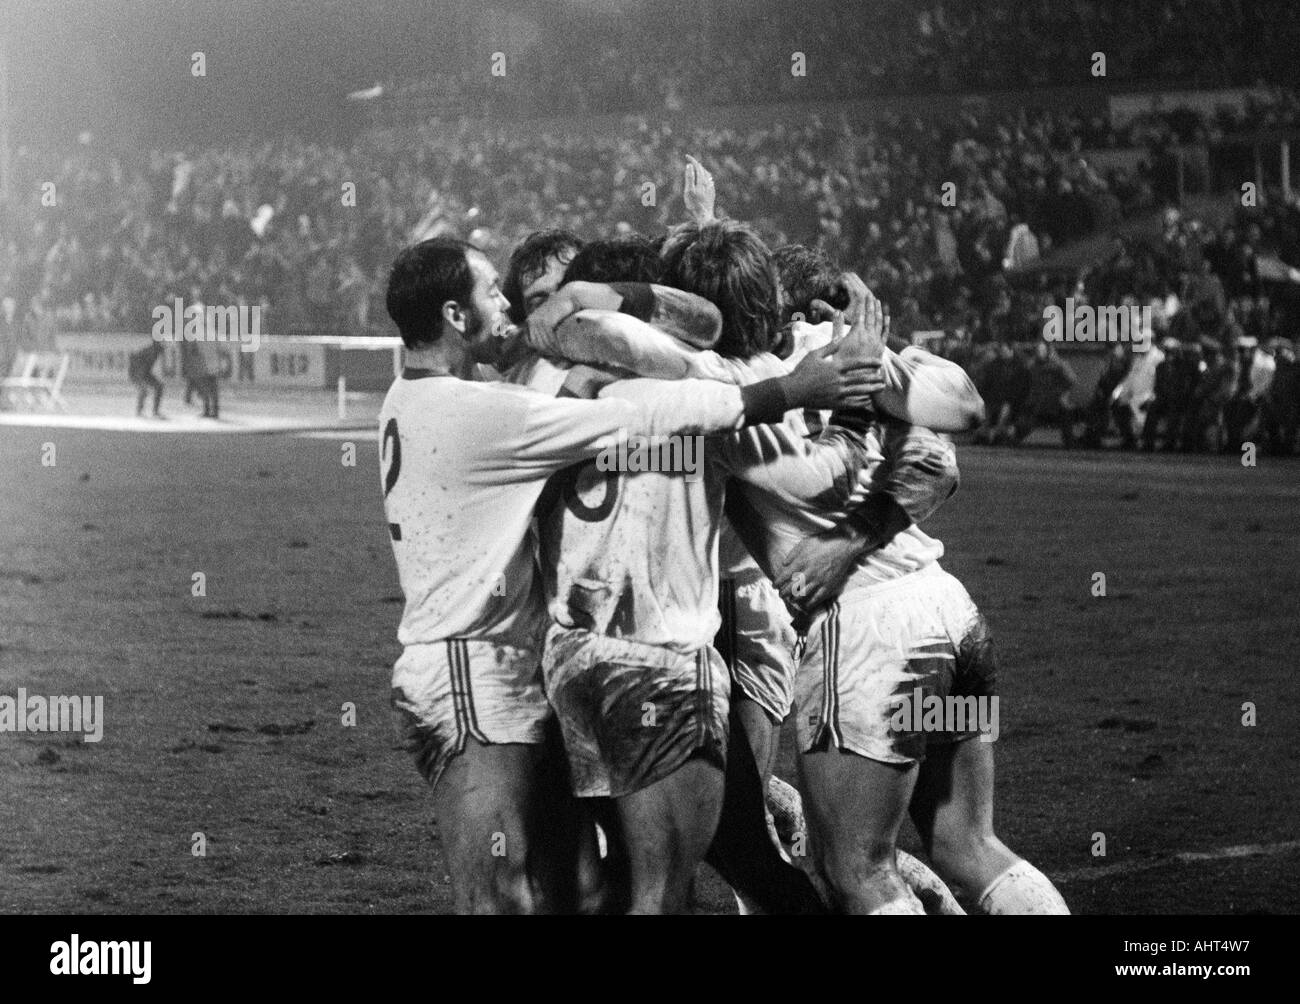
point(928, 887)
point(906, 905)
point(1022, 890)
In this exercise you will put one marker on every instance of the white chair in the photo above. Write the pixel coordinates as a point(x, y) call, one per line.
point(38, 378)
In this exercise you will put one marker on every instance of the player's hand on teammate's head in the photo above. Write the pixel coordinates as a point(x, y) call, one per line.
point(698, 192)
point(823, 311)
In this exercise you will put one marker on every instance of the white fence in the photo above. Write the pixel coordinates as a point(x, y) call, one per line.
point(310, 363)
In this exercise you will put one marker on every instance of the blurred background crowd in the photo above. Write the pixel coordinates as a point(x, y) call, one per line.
point(306, 227)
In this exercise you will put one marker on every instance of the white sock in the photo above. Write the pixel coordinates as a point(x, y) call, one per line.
point(1022, 890)
point(784, 808)
point(906, 905)
point(928, 887)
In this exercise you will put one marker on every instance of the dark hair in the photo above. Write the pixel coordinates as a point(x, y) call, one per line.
point(528, 261)
point(422, 279)
point(727, 262)
point(633, 258)
point(808, 274)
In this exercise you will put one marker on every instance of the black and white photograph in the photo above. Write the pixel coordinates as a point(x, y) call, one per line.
point(673, 457)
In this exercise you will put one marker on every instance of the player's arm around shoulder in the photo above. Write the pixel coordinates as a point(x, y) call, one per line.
point(615, 338)
point(686, 317)
point(919, 472)
point(821, 380)
point(527, 434)
point(910, 472)
point(780, 461)
point(612, 338)
point(680, 407)
point(539, 434)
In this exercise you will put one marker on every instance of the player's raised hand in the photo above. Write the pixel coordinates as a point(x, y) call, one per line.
point(866, 338)
point(857, 292)
point(856, 352)
point(698, 191)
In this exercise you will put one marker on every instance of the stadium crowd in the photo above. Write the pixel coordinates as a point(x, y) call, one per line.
point(946, 219)
point(743, 52)
point(273, 223)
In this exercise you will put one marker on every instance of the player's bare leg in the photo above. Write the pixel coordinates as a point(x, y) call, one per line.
point(509, 830)
point(855, 807)
point(743, 850)
point(603, 880)
point(952, 808)
point(934, 895)
point(667, 828)
point(760, 732)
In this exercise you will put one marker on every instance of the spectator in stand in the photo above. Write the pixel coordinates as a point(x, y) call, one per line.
point(1134, 395)
point(1205, 289)
point(1005, 390)
point(1282, 400)
point(1205, 429)
point(1254, 374)
point(1051, 380)
point(1175, 382)
point(1097, 413)
point(9, 334)
point(40, 329)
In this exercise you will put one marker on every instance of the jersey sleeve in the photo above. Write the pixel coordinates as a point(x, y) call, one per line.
point(553, 432)
point(612, 338)
point(549, 433)
point(776, 459)
point(923, 389)
point(620, 340)
point(919, 470)
point(684, 316)
point(679, 407)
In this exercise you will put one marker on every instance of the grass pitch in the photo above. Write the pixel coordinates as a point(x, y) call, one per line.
point(1121, 714)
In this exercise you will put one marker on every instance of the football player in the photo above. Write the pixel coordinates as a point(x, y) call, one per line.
point(463, 465)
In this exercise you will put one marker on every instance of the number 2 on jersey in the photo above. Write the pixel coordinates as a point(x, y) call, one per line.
point(393, 454)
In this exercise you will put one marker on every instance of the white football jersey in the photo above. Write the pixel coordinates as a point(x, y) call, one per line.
point(771, 519)
point(788, 490)
point(463, 464)
point(633, 552)
point(602, 585)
